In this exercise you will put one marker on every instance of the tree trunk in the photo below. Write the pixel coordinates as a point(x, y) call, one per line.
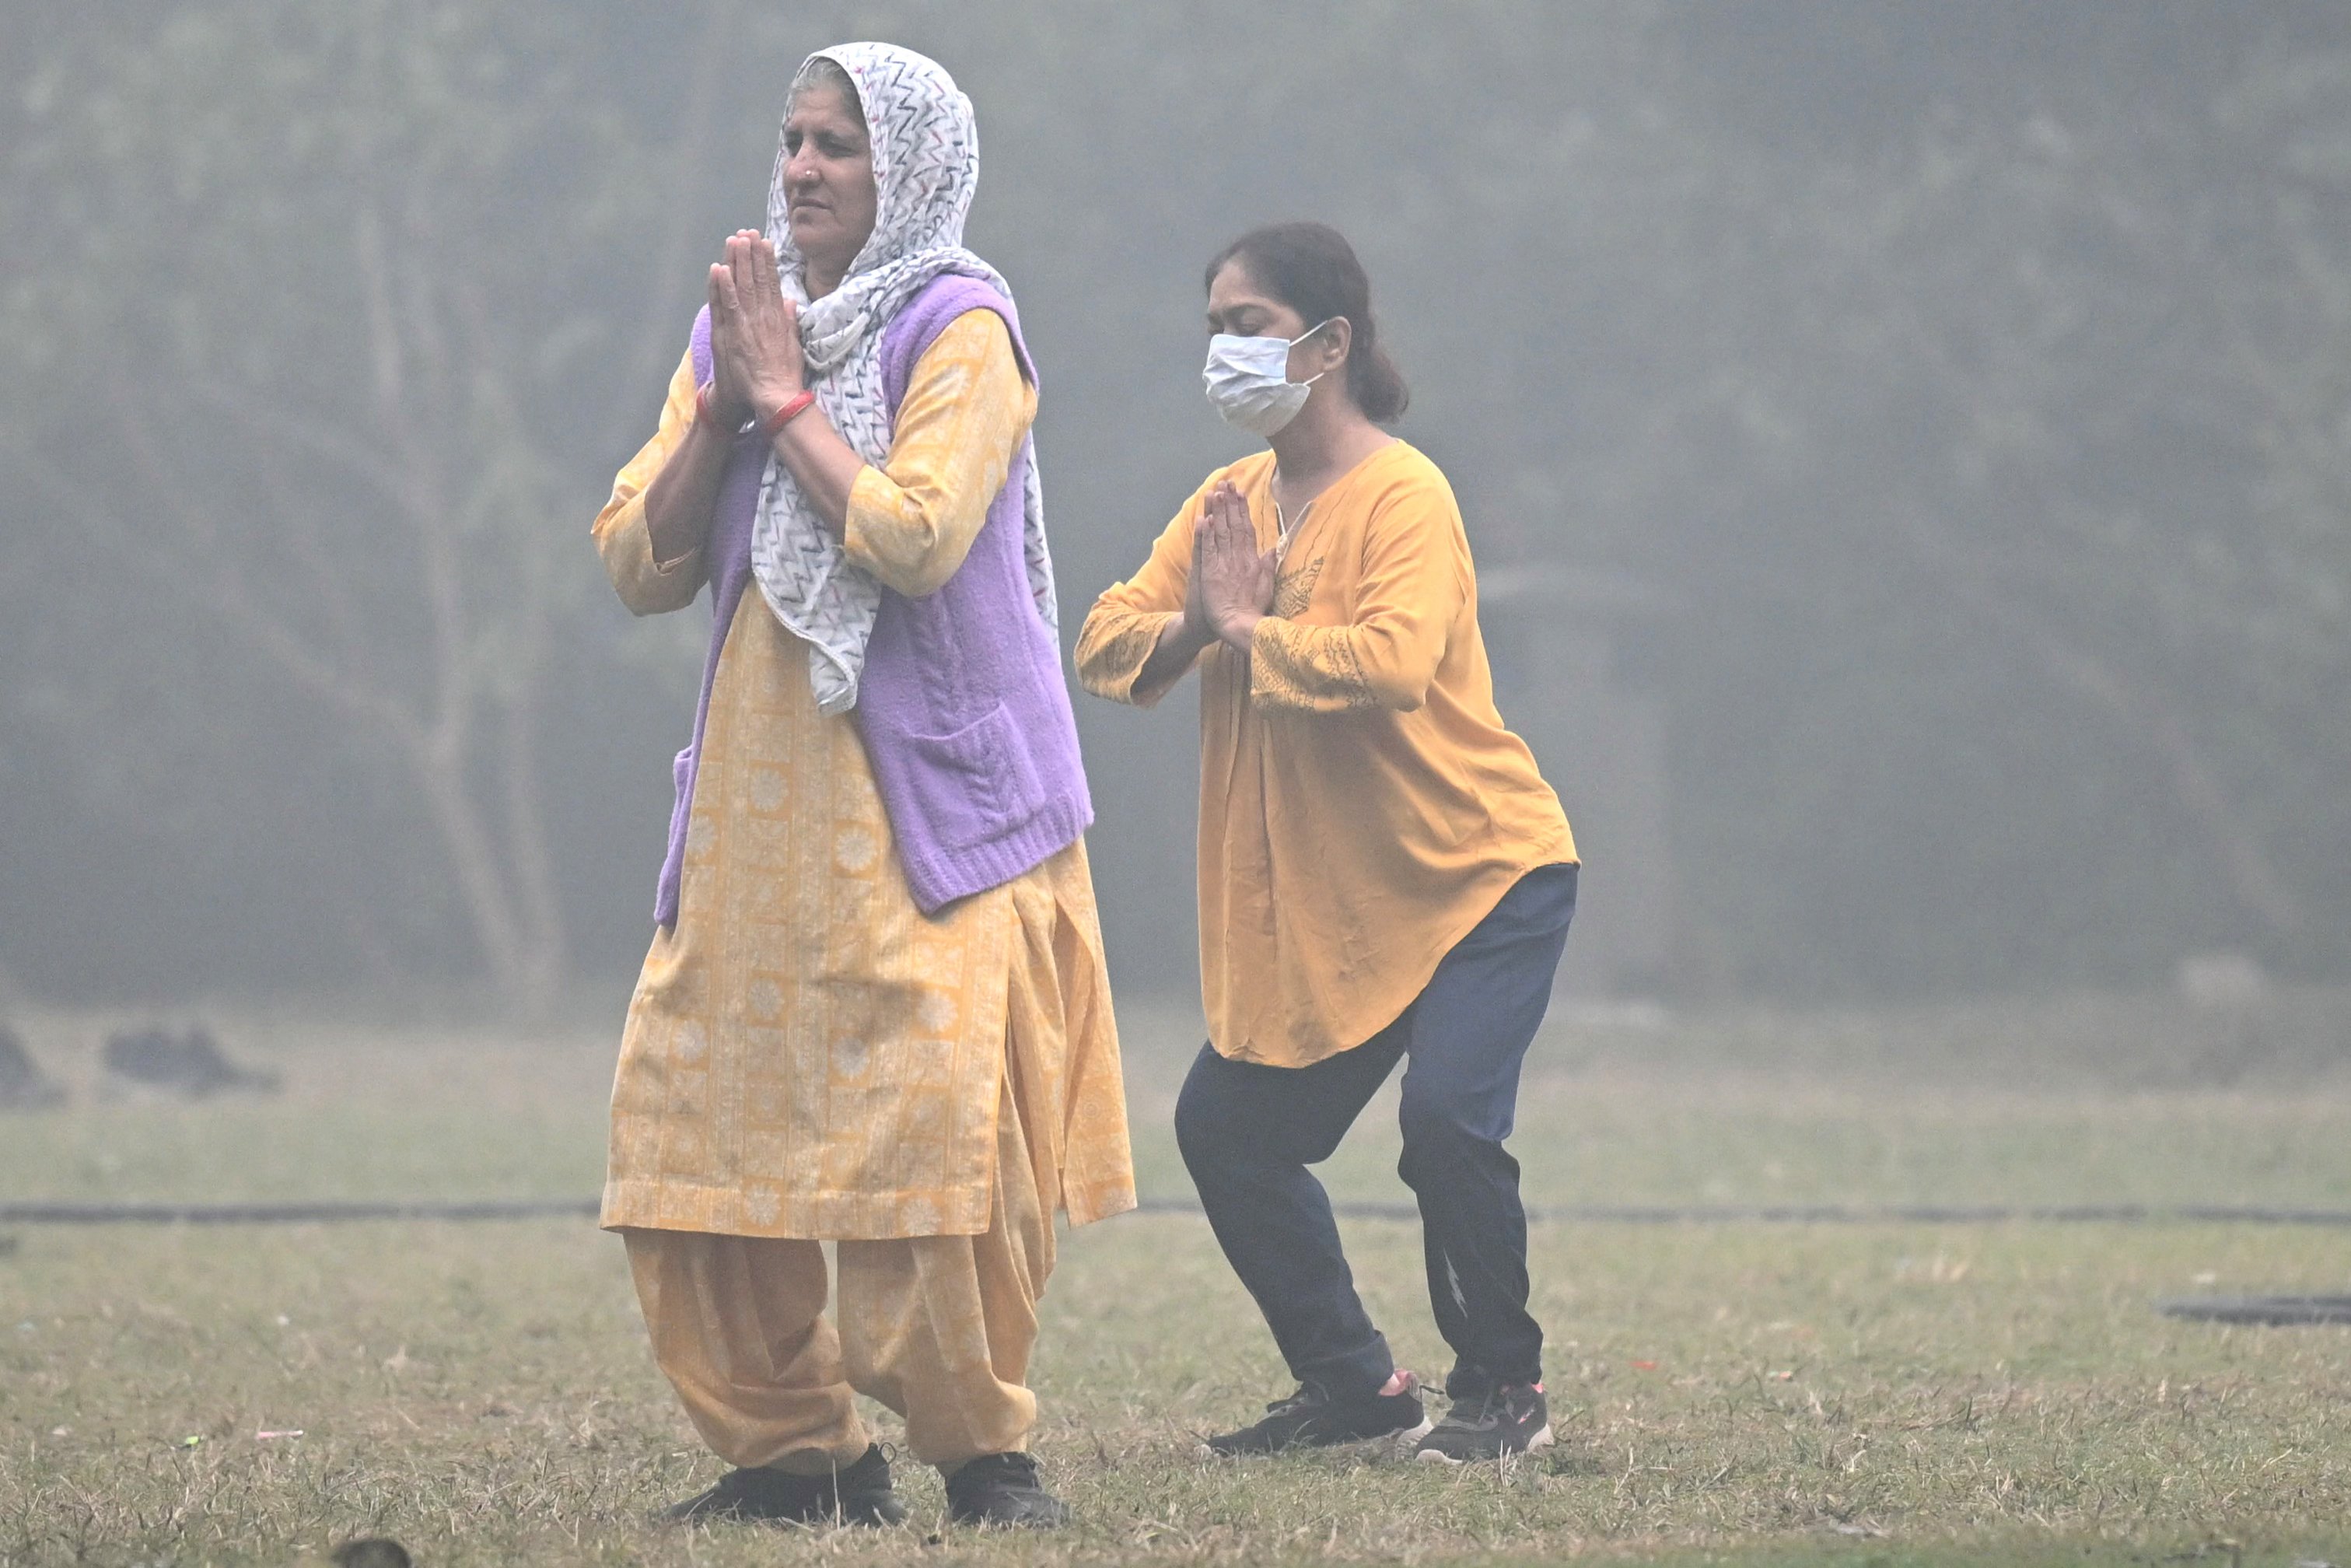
point(509, 896)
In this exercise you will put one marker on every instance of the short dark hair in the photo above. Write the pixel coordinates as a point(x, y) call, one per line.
point(1311, 269)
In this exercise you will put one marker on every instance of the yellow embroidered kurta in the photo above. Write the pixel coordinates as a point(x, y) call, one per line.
point(807, 1054)
point(1361, 804)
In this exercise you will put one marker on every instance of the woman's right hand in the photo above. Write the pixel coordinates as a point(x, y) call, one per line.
point(755, 341)
point(1235, 578)
point(1183, 639)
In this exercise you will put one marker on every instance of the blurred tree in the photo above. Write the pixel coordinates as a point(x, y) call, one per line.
point(2086, 372)
point(298, 325)
point(1973, 378)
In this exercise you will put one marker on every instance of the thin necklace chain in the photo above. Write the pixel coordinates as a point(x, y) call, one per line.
point(1283, 531)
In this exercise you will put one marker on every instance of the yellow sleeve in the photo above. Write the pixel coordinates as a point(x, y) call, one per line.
point(911, 520)
point(1415, 580)
point(1125, 624)
point(646, 585)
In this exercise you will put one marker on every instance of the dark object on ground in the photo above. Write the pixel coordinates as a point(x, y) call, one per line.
point(1492, 1423)
point(1311, 1419)
point(375, 1551)
point(23, 1086)
point(861, 1494)
point(189, 1065)
point(1003, 1491)
point(2272, 1312)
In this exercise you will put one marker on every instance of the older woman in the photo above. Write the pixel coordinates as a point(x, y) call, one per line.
point(1383, 874)
point(874, 1010)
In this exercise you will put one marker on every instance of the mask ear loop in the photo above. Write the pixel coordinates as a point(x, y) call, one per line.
point(1303, 336)
point(1286, 531)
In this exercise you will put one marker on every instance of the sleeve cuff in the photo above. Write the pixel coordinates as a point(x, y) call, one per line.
point(1267, 661)
point(1159, 626)
point(1114, 665)
point(1318, 677)
point(642, 527)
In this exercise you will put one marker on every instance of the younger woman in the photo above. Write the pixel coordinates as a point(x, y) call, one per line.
point(1383, 874)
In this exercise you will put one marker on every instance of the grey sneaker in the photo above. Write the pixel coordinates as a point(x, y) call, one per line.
point(1311, 1419)
point(1494, 1425)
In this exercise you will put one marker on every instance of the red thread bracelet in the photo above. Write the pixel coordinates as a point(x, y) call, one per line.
point(794, 406)
point(703, 413)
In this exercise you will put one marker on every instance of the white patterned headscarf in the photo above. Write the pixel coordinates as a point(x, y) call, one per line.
point(925, 167)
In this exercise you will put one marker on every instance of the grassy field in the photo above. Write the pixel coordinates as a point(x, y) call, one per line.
point(1750, 1393)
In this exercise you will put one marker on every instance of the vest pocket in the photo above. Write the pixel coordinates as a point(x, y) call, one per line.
point(973, 784)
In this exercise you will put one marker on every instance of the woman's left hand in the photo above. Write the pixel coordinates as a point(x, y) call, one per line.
point(755, 331)
point(1237, 579)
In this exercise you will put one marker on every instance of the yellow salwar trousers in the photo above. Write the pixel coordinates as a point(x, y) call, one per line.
point(936, 1328)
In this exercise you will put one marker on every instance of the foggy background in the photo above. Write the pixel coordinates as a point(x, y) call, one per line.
point(1906, 448)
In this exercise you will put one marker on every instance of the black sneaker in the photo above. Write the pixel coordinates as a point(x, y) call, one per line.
point(1003, 1490)
point(1492, 1425)
point(1311, 1419)
point(858, 1494)
point(373, 1551)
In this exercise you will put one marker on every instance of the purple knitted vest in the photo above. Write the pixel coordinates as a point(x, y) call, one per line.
point(965, 716)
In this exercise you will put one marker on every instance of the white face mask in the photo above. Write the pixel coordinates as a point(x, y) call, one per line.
point(1249, 379)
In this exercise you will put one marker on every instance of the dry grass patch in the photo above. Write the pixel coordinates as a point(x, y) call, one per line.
point(1761, 1395)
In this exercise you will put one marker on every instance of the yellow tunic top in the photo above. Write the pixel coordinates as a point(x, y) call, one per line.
point(1361, 806)
point(807, 1054)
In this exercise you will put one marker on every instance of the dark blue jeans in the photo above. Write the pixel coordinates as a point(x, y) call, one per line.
point(1248, 1132)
